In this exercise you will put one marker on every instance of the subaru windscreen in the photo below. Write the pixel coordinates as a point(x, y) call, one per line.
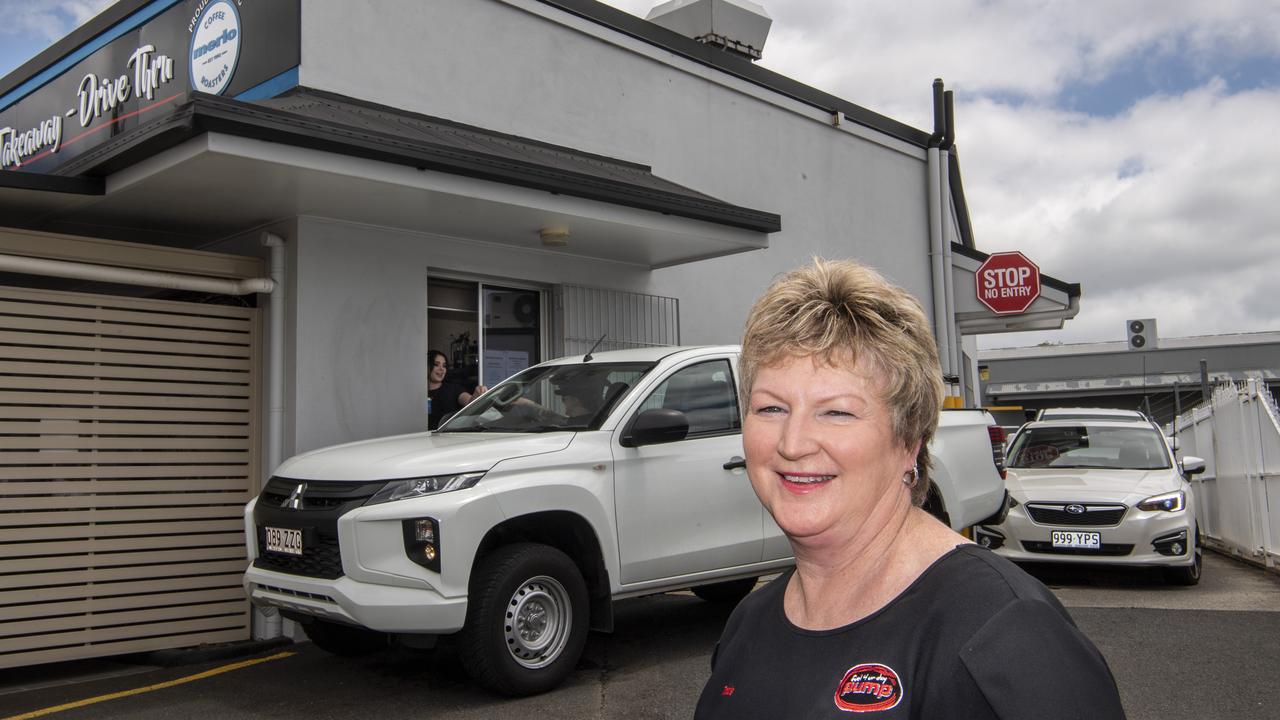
point(1089, 446)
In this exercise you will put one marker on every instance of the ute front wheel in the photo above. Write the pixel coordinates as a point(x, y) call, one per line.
point(526, 620)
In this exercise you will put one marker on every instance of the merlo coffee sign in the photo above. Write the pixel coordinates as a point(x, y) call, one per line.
point(215, 46)
point(140, 69)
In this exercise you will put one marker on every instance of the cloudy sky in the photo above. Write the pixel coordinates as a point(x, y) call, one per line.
point(1128, 145)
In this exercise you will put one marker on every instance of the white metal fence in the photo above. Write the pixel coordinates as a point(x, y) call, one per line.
point(1238, 496)
point(630, 320)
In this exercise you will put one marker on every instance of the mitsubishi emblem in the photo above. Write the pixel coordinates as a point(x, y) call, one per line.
point(294, 501)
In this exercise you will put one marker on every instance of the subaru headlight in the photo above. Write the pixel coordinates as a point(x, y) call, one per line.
point(1168, 502)
point(419, 487)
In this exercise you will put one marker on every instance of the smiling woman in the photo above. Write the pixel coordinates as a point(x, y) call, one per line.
point(887, 609)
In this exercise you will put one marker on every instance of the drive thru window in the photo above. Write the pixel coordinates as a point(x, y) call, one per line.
point(487, 332)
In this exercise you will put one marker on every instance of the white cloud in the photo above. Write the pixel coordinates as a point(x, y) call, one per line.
point(1196, 223)
point(1165, 210)
point(47, 21)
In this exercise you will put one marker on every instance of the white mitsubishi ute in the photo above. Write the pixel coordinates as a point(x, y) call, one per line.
point(515, 525)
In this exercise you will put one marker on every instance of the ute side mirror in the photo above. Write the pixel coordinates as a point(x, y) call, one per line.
point(656, 426)
point(1192, 465)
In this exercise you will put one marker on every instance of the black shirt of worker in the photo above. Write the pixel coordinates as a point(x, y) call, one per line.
point(974, 637)
point(444, 401)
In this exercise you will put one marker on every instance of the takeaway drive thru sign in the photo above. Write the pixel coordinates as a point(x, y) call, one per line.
point(1008, 283)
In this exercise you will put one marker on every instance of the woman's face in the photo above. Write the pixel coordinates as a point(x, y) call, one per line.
point(820, 450)
point(438, 369)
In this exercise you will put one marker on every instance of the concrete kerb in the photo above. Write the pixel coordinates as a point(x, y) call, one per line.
point(177, 657)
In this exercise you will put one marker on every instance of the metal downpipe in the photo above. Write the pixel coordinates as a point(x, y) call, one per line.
point(941, 321)
point(270, 624)
point(948, 233)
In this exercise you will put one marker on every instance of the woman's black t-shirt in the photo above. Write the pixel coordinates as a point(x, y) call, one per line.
point(444, 401)
point(973, 637)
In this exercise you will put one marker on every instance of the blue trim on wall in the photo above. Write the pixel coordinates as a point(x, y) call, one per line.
point(277, 85)
point(44, 76)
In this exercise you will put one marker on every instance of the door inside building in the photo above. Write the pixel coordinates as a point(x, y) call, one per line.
point(487, 332)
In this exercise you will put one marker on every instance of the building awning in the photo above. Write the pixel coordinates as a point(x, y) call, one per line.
point(1058, 301)
point(215, 167)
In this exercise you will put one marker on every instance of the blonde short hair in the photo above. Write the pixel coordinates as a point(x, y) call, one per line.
point(844, 313)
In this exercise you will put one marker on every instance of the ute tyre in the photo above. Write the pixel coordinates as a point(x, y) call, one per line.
point(730, 591)
point(526, 620)
point(1189, 575)
point(344, 640)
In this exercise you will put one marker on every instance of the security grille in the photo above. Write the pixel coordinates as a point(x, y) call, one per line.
point(628, 320)
point(127, 439)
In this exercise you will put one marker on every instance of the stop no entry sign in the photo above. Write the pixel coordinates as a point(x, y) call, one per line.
point(1008, 283)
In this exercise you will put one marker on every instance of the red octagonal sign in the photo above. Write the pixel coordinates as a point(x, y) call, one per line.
point(1008, 283)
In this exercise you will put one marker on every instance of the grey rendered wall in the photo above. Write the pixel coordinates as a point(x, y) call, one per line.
point(519, 66)
point(358, 305)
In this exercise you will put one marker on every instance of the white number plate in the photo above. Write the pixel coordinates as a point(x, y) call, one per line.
point(1077, 539)
point(284, 540)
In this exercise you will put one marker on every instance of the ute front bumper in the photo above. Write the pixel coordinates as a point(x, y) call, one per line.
point(384, 608)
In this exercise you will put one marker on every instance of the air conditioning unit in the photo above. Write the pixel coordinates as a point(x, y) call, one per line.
point(504, 310)
point(1142, 334)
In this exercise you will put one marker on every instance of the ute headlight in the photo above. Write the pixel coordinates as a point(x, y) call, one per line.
point(1168, 502)
point(418, 487)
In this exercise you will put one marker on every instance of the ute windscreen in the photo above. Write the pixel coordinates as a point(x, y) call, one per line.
point(550, 398)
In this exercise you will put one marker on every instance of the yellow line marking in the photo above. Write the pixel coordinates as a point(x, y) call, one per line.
point(158, 686)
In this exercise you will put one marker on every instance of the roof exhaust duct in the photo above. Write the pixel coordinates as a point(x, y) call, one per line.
point(737, 26)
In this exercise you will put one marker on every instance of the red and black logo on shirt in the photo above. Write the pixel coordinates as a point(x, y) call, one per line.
point(869, 687)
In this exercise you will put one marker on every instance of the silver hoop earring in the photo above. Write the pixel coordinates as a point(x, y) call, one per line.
point(912, 478)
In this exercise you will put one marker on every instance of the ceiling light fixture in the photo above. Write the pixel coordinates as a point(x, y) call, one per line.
point(554, 236)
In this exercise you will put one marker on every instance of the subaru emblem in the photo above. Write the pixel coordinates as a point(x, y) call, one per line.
point(294, 501)
point(1075, 509)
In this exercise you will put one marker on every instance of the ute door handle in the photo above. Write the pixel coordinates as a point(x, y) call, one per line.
point(735, 462)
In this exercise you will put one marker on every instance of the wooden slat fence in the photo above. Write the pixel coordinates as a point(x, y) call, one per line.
point(128, 439)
